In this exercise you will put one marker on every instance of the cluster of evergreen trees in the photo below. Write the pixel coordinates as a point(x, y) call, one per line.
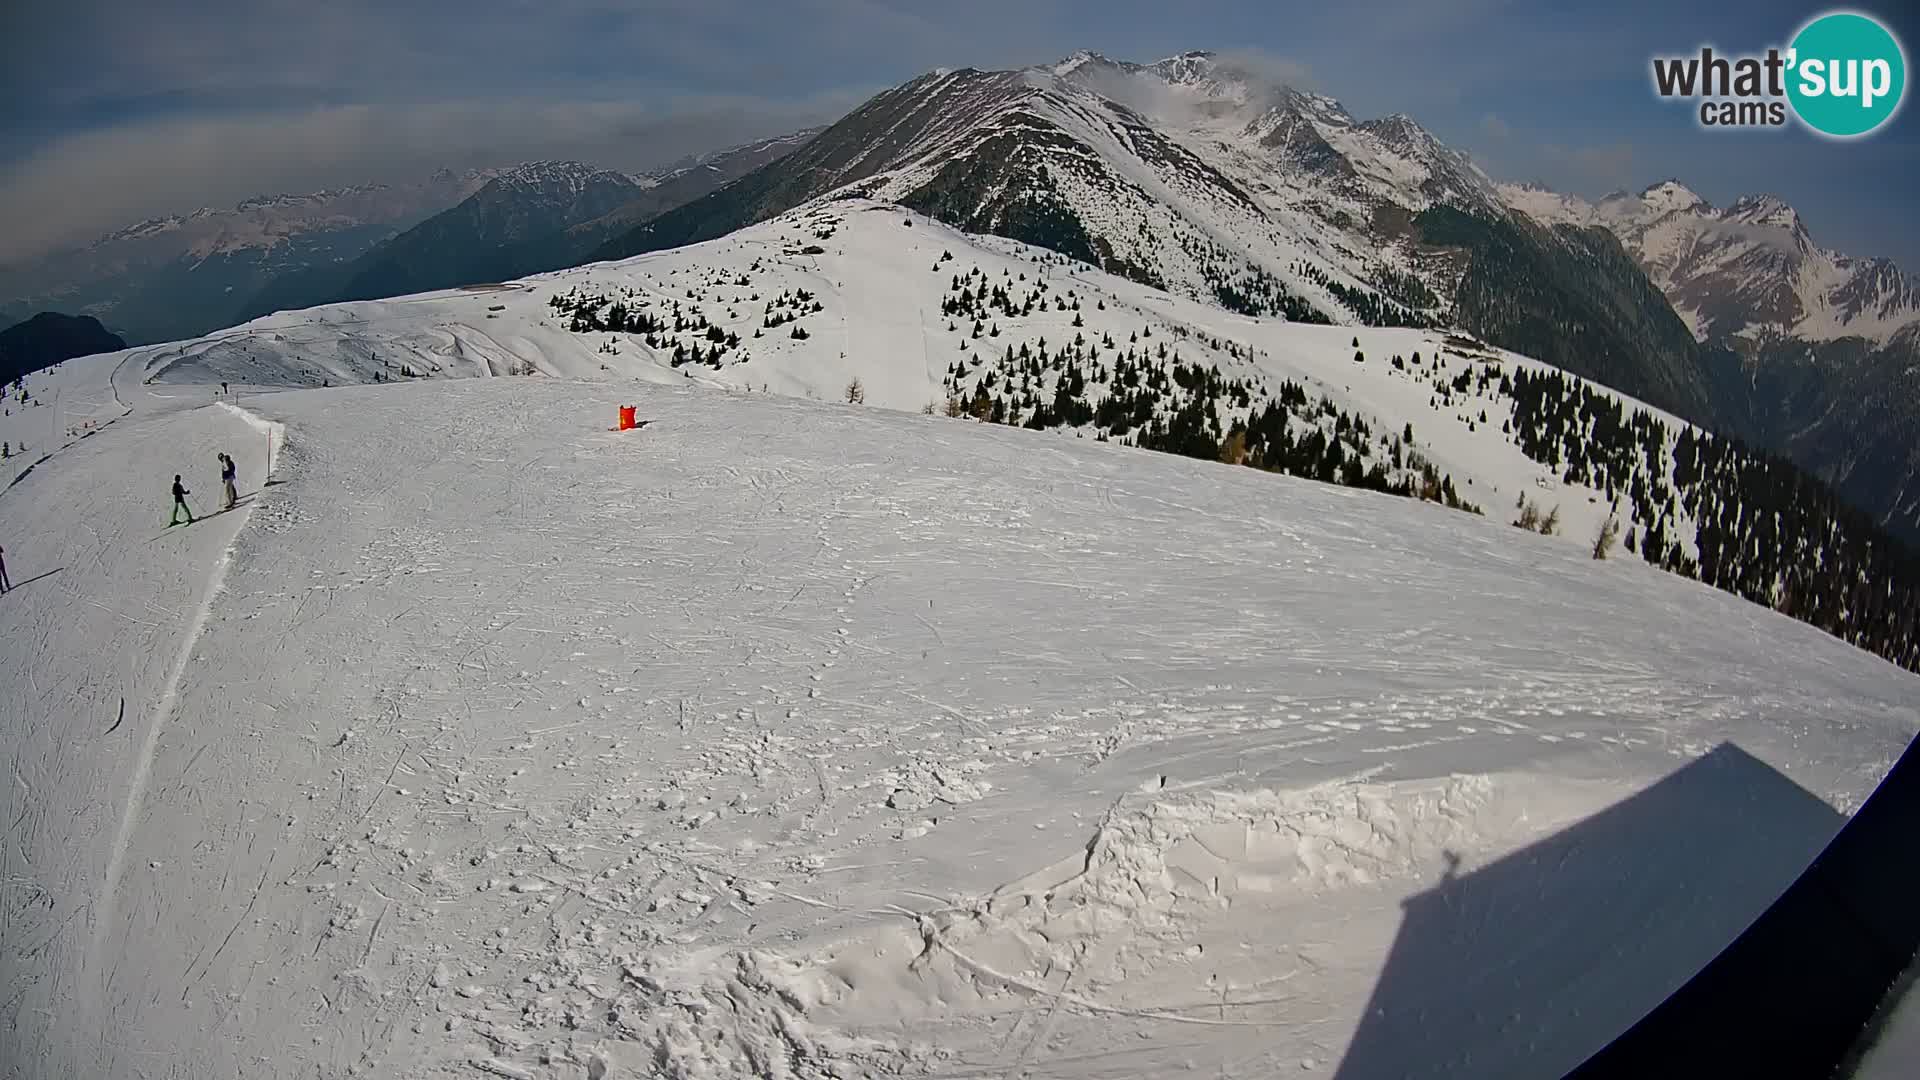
point(681, 331)
point(1711, 508)
point(1702, 506)
point(973, 296)
point(1770, 532)
point(1142, 392)
point(591, 313)
point(1240, 285)
point(789, 307)
point(1370, 308)
point(1406, 289)
point(1153, 399)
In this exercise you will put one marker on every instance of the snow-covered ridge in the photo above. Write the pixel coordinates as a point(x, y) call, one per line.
point(729, 313)
point(562, 177)
point(711, 160)
point(283, 201)
point(1202, 206)
point(1075, 62)
point(1231, 112)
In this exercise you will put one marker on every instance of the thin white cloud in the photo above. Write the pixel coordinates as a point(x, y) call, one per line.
point(1151, 96)
point(1270, 68)
point(1492, 124)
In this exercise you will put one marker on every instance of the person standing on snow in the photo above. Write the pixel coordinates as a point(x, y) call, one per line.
point(180, 494)
point(228, 473)
point(5, 584)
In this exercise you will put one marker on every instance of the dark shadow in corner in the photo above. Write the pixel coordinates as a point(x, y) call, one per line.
point(1794, 994)
point(1526, 966)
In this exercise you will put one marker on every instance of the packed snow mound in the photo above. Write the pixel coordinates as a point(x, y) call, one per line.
point(787, 738)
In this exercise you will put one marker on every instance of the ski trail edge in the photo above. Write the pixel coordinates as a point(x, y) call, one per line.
point(163, 712)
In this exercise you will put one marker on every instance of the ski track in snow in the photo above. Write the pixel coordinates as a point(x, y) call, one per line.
point(163, 710)
point(143, 760)
point(79, 732)
point(801, 740)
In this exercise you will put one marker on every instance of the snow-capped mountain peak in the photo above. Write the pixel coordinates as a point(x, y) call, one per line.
point(1749, 272)
point(1399, 127)
point(1547, 206)
point(149, 227)
point(1195, 68)
point(560, 177)
point(1670, 195)
point(1077, 61)
point(1402, 134)
point(1248, 121)
point(1767, 210)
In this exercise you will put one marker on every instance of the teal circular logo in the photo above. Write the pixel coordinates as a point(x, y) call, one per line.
point(1847, 74)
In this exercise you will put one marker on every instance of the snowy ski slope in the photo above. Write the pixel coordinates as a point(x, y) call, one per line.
point(880, 284)
point(800, 739)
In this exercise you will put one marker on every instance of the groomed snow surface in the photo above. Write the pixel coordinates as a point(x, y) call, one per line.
point(802, 740)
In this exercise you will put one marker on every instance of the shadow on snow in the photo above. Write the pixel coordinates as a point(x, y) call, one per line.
point(18, 585)
point(1526, 966)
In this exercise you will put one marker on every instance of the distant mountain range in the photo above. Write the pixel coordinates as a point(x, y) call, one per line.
point(488, 236)
point(1748, 273)
point(535, 217)
point(184, 274)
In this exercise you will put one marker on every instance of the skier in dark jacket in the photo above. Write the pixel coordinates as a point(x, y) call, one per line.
point(180, 494)
point(5, 584)
point(229, 472)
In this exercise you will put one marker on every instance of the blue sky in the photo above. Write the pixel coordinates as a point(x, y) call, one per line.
point(118, 109)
